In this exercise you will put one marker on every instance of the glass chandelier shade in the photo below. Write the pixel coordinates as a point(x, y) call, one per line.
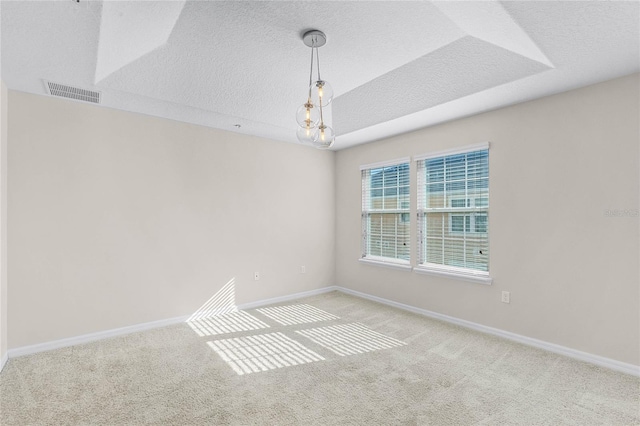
point(307, 135)
point(310, 116)
point(324, 137)
point(321, 93)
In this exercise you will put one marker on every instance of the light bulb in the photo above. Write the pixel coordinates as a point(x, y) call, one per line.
point(324, 137)
point(307, 115)
point(321, 93)
point(306, 134)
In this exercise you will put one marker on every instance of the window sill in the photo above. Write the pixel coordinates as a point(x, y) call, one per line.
point(474, 278)
point(386, 263)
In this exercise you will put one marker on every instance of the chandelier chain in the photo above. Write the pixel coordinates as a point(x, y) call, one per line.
point(318, 63)
point(319, 82)
point(310, 76)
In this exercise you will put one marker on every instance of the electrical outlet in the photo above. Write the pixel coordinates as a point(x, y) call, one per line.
point(303, 269)
point(256, 276)
point(506, 297)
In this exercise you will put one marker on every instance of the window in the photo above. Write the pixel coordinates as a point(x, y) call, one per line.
point(453, 211)
point(385, 212)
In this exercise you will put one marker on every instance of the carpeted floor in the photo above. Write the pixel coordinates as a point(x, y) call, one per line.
point(331, 359)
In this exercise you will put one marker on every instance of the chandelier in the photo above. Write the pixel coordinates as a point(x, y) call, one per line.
point(313, 114)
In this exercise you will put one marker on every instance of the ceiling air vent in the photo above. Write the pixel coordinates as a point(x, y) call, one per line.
point(64, 91)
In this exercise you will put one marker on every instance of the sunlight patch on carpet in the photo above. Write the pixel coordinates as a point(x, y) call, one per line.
point(226, 323)
point(262, 352)
point(296, 314)
point(350, 339)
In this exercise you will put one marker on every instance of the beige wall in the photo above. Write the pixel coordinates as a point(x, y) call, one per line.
point(556, 165)
point(117, 219)
point(3, 220)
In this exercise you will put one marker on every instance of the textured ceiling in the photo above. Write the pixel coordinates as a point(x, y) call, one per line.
point(394, 66)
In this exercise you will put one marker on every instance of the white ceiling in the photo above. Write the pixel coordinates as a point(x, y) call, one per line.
point(395, 66)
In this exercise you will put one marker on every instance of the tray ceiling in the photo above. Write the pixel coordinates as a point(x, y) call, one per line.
point(394, 66)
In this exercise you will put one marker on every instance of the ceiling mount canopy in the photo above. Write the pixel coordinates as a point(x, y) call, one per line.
point(314, 38)
point(312, 116)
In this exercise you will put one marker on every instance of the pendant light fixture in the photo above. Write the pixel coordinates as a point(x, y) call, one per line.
point(312, 115)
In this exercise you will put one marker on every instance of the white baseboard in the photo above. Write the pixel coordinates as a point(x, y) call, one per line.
point(3, 360)
point(612, 364)
point(280, 299)
point(92, 337)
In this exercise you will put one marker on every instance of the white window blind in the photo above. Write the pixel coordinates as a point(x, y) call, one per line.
point(453, 211)
point(385, 212)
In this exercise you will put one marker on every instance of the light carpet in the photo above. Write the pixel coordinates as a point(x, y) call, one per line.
point(331, 359)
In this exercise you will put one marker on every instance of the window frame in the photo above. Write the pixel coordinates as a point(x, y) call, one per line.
point(399, 211)
point(461, 273)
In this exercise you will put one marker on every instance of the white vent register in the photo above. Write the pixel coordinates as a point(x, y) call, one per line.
point(70, 92)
